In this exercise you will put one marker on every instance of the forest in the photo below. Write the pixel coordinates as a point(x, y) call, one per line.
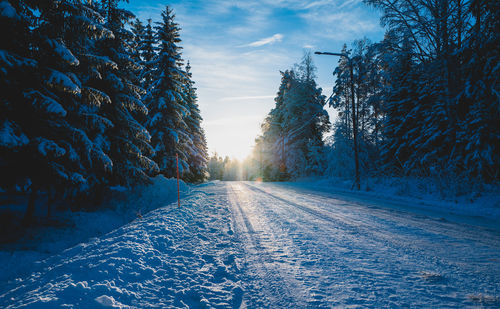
point(426, 102)
point(377, 188)
point(92, 98)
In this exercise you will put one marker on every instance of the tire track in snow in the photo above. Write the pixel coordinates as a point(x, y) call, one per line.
point(406, 230)
point(407, 246)
point(392, 217)
point(416, 227)
point(280, 290)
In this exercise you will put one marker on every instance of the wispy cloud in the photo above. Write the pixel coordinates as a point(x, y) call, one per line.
point(272, 39)
point(342, 25)
point(237, 49)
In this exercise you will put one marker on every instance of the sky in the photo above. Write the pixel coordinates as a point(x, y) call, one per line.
point(238, 48)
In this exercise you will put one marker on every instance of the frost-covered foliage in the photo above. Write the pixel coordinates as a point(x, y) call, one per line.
point(215, 167)
point(166, 101)
point(72, 109)
point(427, 98)
point(197, 153)
point(442, 98)
point(42, 97)
point(130, 150)
point(367, 79)
point(147, 49)
point(292, 144)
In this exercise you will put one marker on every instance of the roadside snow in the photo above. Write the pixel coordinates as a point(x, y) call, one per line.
point(415, 194)
point(171, 257)
point(67, 229)
point(266, 245)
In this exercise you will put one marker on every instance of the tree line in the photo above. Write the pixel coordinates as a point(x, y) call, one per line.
point(426, 100)
point(426, 96)
point(92, 98)
point(292, 142)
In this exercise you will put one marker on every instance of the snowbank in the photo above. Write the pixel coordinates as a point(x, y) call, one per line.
point(460, 198)
point(142, 199)
point(67, 229)
point(169, 258)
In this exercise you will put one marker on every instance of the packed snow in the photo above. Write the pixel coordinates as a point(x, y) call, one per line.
point(261, 245)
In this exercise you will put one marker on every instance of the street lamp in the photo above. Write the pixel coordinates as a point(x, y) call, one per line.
point(354, 118)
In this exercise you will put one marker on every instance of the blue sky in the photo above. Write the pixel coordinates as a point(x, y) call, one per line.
point(237, 48)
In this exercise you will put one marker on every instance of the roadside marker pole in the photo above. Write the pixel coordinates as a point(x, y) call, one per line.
point(178, 192)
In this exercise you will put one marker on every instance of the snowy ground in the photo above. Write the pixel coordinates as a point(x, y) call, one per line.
point(462, 197)
point(20, 247)
point(240, 244)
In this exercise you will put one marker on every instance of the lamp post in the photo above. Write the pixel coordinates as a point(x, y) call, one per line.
point(354, 116)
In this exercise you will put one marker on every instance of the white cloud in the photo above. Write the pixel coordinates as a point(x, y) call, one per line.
point(349, 3)
point(236, 60)
point(342, 26)
point(272, 39)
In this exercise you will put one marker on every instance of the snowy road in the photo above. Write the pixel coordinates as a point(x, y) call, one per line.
point(314, 250)
point(259, 245)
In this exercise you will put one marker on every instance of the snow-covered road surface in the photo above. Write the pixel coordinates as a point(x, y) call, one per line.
point(258, 245)
point(315, 250)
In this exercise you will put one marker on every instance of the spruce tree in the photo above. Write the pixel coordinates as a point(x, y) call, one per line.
point(197, 148)
point(58, 157)
point(17, 76)
point(147, 49)
point(83, 29)
point(138, 31)
point(166, 100)
point(312, 120)
point(129, 140)
point(292, 139)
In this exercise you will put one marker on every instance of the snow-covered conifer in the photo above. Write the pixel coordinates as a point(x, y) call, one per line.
point(293, 131)
point(130, 150)
point(166, 100)
point(147, 48)
point(197, 149)
point(138, 30)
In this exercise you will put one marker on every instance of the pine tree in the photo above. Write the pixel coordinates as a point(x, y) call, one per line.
point(147, 48)
point(130, 149)
point(292, 138)
point(138, 31)
point(341, 100)
point(197, 149)
point(166, 100)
